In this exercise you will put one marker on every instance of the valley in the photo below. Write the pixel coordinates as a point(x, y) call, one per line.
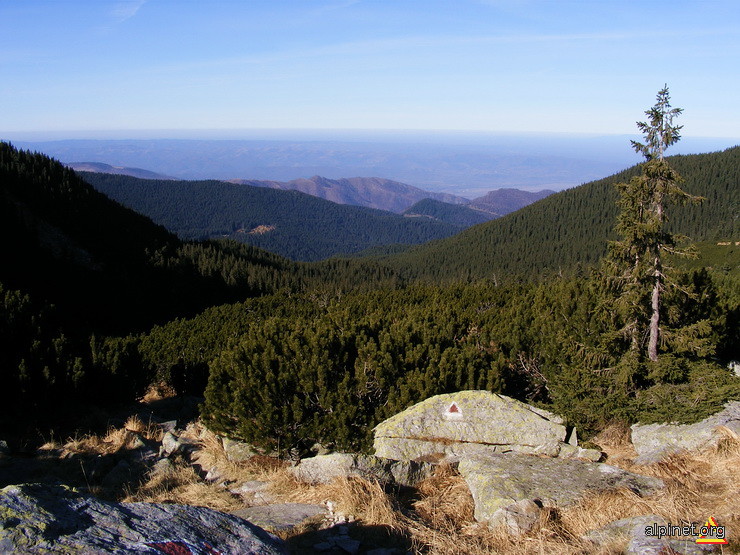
point(102, 306)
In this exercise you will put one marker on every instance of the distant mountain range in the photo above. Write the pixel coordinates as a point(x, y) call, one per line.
point(99, 167)
point(372, 192)
point(468, 165)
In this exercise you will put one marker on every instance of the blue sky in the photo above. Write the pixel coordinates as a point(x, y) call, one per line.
point(496, 65)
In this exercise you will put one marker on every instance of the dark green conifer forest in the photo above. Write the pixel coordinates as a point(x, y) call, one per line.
point(97, 303)
point(289, 223)
point(569, 231)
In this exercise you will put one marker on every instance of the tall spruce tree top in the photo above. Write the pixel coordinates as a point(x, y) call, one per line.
point(638, 256)
point(660, 133)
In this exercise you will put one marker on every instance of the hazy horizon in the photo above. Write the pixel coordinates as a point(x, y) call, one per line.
point(461, 163)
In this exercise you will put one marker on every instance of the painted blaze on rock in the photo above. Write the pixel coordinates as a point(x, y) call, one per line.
point(465, 421)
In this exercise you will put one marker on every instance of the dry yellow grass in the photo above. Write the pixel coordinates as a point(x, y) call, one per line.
point(211, 454)
point(112, 442)
point(183, 485)
point(440, 518)
point(158, 391)
point(616, 441)
point(697, 486)
point(441, 521)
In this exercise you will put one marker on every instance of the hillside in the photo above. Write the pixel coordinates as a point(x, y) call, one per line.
point(493, 205)
point(372, 192)
point(81, 272)
point(105, 267)
point(504, 201)
point(289, 223)
point(571, 228)
point(462, 216)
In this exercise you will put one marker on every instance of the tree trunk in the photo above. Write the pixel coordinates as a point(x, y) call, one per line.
point(655, 319)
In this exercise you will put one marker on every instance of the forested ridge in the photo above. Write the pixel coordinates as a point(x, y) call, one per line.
point(81, 273)
point(455, 214)
point(290, 223)
point(98, 302)
point(570, 229)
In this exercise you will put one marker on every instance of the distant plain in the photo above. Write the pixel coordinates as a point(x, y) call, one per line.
point(463, 163)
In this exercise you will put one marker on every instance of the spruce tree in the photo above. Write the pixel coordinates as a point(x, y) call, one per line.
point(639, 257)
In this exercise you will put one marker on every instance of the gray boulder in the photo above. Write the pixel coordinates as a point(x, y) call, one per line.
point(168, 426)
point(254, 492)
point(282, 516)
point(173, 444)
point(471, 423)
point(42, 519)
point(498, 480)
point(518, 518)
point(323, 469)
point(655, 441)
point(632, 532)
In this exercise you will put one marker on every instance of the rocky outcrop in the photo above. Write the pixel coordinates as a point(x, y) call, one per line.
point(38, 518)
point(473, 423)
point(496, 481)
point(325, 468)
point(655, 441)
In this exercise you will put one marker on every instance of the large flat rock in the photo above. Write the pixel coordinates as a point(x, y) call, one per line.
point(497, 481)
point(37, 518)
point(469, 417)
point(282, 516)
point(655, 441)
point(637, 542)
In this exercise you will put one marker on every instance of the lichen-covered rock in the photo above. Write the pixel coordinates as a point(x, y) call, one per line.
point(497, 481)
point(655, 441)
point(631, 531)
point(459, 423)
point(37, 518)
point(569, 451)
point(323, 469)
point(409, 449)
point(518, 518)
point(237, 451)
